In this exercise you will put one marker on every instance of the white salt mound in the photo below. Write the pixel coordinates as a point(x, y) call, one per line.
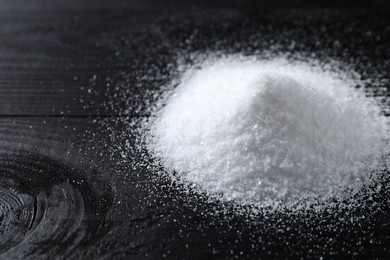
point(269, 133)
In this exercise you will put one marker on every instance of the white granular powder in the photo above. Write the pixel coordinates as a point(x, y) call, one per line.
point(270, 133)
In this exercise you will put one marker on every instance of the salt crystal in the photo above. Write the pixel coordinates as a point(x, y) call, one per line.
point(270, 133)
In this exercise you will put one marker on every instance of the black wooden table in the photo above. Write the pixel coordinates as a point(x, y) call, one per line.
point(74, 75)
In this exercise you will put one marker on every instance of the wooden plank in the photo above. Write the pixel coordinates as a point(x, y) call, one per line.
point(93, 63)
point(70, 70)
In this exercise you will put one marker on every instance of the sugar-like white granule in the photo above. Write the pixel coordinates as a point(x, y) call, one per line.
point(270, 133)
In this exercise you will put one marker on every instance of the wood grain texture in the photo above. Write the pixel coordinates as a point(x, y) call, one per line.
point(72, 71)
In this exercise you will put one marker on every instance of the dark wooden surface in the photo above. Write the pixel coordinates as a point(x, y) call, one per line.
point(74, 73)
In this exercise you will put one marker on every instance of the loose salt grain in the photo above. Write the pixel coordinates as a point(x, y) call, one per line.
point(270, 133)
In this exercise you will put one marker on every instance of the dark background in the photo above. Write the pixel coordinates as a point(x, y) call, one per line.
point(75, 74)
